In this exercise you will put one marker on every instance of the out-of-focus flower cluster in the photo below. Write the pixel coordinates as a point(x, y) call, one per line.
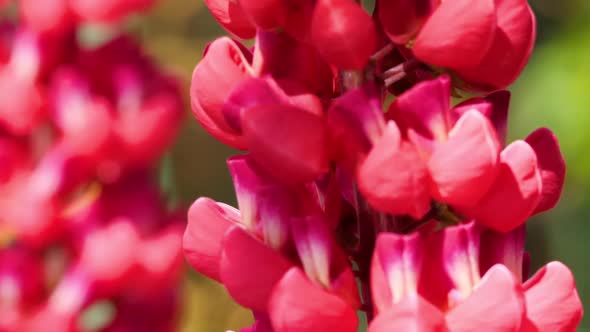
point(82, 127)
point(362, 187)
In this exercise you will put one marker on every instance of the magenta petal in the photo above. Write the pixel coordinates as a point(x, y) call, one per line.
point(464, 167)
point(263, 91)
point(343, 33)
point(394, 178)
point(287, 142)
point(248, 93)
point(552, 300)
point(458, 34)
point(503, 248)
point(460, 253)
point(313, 243)
point(424, 108)
point(395, 269)
point(355, 122)
point(413, 314)
point(207, 223)
point(496, 303)
point(249, 269)
point(299, 305)
point(248, 181)
point(551, 164)
point(515, 193)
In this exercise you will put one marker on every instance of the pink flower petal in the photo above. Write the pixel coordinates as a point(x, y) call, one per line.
point(552, 300)
point(515, 193)
point(494, 106)
point(464, 167)
point(413, 314)
point(249, 269)
point(551, 164)
point(299, 305)
point(394, 178)
point(497, 304)
point(227, 63)
point(458, 34)
point(510, 50)
point(248, 93)
point(208, 221)
point(262, 91)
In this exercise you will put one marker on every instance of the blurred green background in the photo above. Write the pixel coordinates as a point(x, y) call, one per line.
point(554, 91)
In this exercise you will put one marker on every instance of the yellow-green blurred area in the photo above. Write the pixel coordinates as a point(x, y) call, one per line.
point(554, 91)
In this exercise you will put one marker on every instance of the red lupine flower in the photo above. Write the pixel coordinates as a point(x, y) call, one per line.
point(405, 294)
point(249, 252)
point(466, 37)
point(433, 193)
point(457, 158)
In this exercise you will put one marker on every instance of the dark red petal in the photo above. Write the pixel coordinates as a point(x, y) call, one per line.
point(458, 34)
point(552, 300)
point(207, 223)
point(299, 305)
point(297, 16)
point(402, 19)
point(343, 33)
point(551, 164)
point(287, 142)
point(280, 55)
point(249, 269)
point(394, 178)
point(266, 14)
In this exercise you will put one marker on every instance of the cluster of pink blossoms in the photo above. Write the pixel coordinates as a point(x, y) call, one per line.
point(415, 215)
point(82, 220)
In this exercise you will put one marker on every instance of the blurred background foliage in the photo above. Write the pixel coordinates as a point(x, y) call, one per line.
point(554, 91)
